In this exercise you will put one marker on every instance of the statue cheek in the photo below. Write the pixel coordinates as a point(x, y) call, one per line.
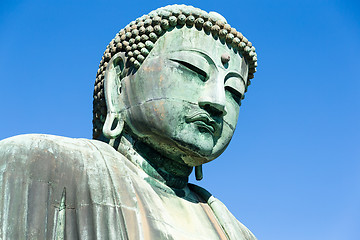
point(223, 142)
point(158, 116)
point(232, 113)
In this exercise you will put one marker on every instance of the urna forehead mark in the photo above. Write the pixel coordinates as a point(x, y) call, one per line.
point(225, 58)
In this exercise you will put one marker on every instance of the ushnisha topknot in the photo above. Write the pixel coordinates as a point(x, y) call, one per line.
point(138, 38)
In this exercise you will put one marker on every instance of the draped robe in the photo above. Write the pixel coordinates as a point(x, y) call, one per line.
point(55, 187)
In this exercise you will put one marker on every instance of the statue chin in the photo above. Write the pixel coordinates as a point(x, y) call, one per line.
point(190, 154)
point(199, 154)
point(179, 151)
point(183, 147)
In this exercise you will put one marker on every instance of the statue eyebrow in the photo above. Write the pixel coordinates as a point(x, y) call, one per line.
point(191, 66)
point(204, 55)
point(198, 52)
point(235, 73)
point(199, 63)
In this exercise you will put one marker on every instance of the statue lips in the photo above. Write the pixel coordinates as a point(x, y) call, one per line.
point(203, 120)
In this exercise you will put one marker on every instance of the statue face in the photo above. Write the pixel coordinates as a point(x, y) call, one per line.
point(184, 100)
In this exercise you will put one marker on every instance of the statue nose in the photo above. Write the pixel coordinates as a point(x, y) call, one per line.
point(213, 98)
point(213, 108)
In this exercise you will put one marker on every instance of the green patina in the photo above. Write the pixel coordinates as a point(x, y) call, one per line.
point(166, 100)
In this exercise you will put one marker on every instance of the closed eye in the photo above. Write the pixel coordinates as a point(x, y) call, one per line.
point(235, 86)
point(234, 94)
point(202, 74)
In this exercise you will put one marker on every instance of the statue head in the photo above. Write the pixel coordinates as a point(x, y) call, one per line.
point(174, 79)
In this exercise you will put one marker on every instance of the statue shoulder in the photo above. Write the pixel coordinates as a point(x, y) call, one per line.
point(40, 175)
point(43, 155)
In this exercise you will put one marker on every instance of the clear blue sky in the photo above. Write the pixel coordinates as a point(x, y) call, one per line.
point(292, 170)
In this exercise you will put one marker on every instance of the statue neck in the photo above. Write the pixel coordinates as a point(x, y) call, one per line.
point(168, 171)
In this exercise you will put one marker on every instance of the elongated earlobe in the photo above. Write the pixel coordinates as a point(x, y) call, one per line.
point(115, 117)
point(113, 125)
point(198, 172)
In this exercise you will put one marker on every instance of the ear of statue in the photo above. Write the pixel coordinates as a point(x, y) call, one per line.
point(114, 121)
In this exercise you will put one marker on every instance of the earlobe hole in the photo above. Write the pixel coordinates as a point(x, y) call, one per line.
point(114, 124)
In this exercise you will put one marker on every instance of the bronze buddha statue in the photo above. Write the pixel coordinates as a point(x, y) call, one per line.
point(166, 100)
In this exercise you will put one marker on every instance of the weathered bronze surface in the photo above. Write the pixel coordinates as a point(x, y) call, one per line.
point(166, 99)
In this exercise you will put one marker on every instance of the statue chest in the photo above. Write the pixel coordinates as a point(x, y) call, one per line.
point(167, 216)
